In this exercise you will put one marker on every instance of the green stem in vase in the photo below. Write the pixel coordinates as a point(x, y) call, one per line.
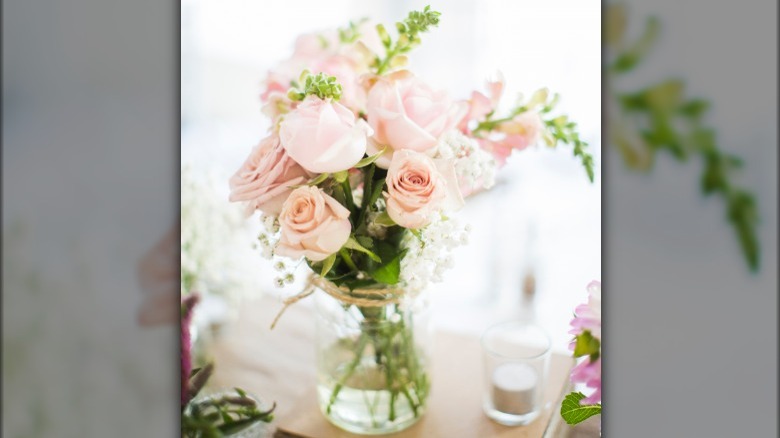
point(350, 369)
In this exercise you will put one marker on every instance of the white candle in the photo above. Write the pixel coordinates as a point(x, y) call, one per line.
point(514, 388)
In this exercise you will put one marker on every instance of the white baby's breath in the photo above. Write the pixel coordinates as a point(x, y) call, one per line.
point(217, 252)
point(474, 167)
point(429, 252)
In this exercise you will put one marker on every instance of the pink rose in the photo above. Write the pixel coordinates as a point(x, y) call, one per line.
point(264, 180)
point(415, 189)
point(313, 225)
point(324, 136)
point(407, 114)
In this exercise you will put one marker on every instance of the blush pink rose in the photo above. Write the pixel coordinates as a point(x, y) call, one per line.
point(324, 136)
point(406, 114)
point(266, 178)
point(415, 189)
point(313, 224)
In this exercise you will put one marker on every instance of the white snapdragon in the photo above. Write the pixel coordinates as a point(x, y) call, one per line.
point(474, 167)
point(429, 252)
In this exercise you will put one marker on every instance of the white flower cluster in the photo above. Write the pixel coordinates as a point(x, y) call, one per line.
point(268, 239)
point(217, 256)
point(429, 252)
point(474, 167)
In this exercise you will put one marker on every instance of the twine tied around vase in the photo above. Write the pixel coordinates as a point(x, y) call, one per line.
point(360, 297)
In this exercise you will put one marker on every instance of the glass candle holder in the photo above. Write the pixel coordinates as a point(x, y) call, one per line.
point(516, 359)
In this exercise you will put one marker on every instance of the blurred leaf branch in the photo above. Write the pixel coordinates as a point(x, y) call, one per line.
point(662, 118)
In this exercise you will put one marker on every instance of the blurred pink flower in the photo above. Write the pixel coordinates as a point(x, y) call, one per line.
point(589, 373)
point(587, 317)
point(158, 274)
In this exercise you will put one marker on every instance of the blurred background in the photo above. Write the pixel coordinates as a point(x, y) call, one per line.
point(538, 230)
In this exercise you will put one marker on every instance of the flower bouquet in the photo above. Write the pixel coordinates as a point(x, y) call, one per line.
point(358, 177)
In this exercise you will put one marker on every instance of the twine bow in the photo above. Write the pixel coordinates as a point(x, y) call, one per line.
point(359, 297)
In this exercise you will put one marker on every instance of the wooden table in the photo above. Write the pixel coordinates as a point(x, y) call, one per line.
point(279, 366)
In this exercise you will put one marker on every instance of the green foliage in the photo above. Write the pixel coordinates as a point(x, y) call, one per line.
point(586, 344)
point(321, 85)
point(630, 57)
point(389, 270)
point(368, 160)
point(564, 131)
point(327, 264)
point(558, 127)
point(661, 118)
point(351, 33)
point(222, 416)
point(573, 412)
point(365, 260)
point(409, 31)
point(352, 243)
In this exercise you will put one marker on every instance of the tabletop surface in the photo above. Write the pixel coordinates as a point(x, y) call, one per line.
point(279, 366)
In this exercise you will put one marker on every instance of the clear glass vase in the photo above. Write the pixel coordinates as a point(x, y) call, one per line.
point(373, 363)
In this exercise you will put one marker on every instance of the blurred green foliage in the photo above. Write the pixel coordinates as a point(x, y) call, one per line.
point(662, 118)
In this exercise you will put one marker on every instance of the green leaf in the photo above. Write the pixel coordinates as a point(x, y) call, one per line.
point(347, 259)
point(384, 219)
point(573, 412)
point(327, 264)
point(234, 427)
point(316, 180)
point(376, 191)
point(587, 345)
point(366, 241)
point(354, 244)
point(368, 160)
point(341, 176)
point(383, 36)
point(389, 272)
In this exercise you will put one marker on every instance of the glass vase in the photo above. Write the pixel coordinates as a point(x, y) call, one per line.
point(372, 362)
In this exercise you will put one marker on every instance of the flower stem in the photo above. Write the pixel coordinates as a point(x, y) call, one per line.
point(350, 369)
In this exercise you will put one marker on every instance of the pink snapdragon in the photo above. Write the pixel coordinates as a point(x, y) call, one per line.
point(325, 52)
